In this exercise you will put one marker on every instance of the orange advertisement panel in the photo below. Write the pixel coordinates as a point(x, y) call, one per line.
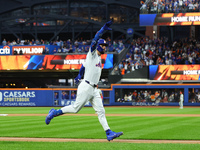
point(14, 62)
point(170, 19)
point(71, 61)
point(174, 72)
point(33, 62)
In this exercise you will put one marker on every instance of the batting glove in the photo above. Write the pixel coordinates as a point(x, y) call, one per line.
point(107, 25)
point(77, 79)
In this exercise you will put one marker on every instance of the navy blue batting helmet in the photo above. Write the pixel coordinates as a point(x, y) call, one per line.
point(102, 42)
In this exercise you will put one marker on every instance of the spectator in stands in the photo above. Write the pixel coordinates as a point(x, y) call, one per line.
point(33, 42)
point(130, 97)
point(117, 71)
point(164, 94)
point(145, 51)
point(37, 42)
point(65, 50)
point(47, 50)
point(55, 95)
point(18, 41)
point(4, 42)
point(65, 95)
point(55, 50)
point(125, 98)
point(14, 42)
point(198, 97)
point(70, 49)
point(59, 50)
point(73, 95)
point(169, 6)
point(122, 71)
point(176, 96)
point(117, 97)
point(171, 97)
point(134, 95)
point(26, 42)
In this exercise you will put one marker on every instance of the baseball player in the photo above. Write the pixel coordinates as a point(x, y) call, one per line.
point(181, 100)
point(87, 89)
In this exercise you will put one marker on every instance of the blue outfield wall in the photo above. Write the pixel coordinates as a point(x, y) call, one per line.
point(64, 96)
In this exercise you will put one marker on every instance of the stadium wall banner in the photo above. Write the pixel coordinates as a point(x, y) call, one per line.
point(5, 50)
point(32, 97)
point(27, 49)
point(33, 62)
point(170, 19)
point(174, 72)
point(26, 98)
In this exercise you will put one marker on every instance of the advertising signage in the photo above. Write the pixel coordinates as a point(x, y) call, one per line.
point(33, 62)
point(5, 50)
point(27, 49)
point(170, 19)
point(174, 72)
point(26, 98)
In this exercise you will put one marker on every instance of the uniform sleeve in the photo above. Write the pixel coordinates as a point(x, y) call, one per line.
point(98, 35)
point(94, 42)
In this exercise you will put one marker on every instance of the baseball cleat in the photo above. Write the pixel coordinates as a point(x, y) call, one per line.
point(49, 116)
point(112, 135)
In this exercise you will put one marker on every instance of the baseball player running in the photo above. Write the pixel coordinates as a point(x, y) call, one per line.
point(87, 90)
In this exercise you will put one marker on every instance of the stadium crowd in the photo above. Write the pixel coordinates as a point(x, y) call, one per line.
point(78, 46)
point(153, 95)
point(169, 6)
point(156, 95)
point(145, 52)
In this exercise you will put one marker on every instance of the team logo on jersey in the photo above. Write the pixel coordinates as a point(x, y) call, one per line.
point(99, 65)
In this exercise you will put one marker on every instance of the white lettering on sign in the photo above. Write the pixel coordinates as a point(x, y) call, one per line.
point(5, 50)
point(28, 50)
point(74, 61)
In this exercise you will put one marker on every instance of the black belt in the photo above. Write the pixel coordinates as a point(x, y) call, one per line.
point(94, 85)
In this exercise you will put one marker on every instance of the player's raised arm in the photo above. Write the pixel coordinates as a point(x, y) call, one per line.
point(99, 34)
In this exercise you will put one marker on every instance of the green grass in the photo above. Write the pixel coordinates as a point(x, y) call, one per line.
point(89, 127)
point(174, 128)
point(109, 110)
point(94, 146)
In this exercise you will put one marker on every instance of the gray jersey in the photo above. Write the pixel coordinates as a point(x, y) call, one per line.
point(93, 67)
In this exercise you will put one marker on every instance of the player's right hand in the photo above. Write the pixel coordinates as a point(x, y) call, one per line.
point(77, 79)
point(107, 25)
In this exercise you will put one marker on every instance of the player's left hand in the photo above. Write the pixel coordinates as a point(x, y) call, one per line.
point(77, 79)
point(107, 25)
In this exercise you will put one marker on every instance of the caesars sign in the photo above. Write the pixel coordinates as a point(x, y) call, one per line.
point(29, 50)
point(17, 98)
